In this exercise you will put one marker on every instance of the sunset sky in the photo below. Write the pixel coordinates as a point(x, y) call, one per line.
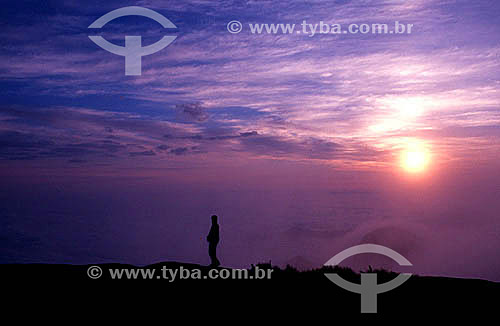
point(303, 145)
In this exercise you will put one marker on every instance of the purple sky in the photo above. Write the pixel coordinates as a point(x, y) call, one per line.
point(294, 141)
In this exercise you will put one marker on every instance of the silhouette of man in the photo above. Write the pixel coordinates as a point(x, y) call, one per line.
point(213, 240)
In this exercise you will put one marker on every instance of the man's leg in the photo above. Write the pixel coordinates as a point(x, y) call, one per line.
point(217, 262)
point(212, 252)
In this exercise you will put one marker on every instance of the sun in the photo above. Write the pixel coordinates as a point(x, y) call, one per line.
point(415, 158)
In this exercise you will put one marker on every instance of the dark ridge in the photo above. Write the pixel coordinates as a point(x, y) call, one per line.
point(287, 286)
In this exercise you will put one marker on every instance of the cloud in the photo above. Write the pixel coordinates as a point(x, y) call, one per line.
point(144, 153)
point(79, 134)
point(163, 147)
point(22, 146)
point(319, 97)
point(192, 112)
point(179, 150)
point(285, 146)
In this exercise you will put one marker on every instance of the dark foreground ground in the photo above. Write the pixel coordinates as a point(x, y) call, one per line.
point(287, 291)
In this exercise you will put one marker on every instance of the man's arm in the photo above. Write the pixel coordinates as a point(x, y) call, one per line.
point(210, 234)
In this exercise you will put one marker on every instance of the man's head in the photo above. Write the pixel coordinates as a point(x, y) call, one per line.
point(214, 219)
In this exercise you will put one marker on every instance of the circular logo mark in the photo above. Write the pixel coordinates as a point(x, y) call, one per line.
point(94, 272)
point(369, 288)
point(133, 51)
point(234, 27)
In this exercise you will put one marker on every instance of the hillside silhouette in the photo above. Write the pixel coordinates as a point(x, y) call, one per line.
point(287, 286)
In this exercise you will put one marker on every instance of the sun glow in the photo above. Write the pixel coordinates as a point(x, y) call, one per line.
point(415, 158)
point(399, 113)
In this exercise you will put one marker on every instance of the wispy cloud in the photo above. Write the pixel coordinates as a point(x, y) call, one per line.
point(307, 93)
